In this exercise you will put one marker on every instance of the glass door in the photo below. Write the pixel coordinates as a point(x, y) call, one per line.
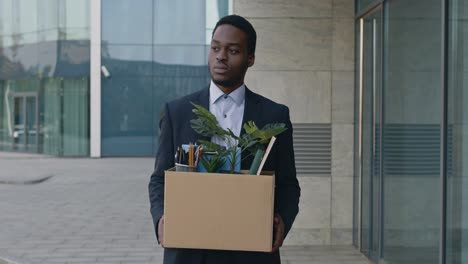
point(25, 115)
point(370, 131)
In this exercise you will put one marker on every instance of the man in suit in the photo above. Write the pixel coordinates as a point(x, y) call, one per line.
point(232, 52)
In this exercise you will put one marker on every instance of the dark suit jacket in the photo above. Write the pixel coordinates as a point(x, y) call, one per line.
point(175, 129)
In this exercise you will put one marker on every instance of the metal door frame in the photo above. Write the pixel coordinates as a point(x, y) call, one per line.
point(377, 7)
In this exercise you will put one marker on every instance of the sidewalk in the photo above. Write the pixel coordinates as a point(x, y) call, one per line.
point(64, 210)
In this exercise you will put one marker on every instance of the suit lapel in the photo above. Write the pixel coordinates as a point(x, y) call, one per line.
point(252, 112)
point(251, 109)
point(202, 99)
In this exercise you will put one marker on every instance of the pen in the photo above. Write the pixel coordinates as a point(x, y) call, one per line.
point(198, 154)
point(181, 155)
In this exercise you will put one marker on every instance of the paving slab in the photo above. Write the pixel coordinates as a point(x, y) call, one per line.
point(94, 211)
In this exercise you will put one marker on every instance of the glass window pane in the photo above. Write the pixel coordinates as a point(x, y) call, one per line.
point(47, 11)
point(47, 57)
point(4, 117)
point(367, 137)
point(363, 4)
point(31, 131)
point(371, 143)
point(127, 21)
point(215, 9)
point(26, 57)
point(158, 49)
point(411, 142)
point(127, 60)
point(50, 111)
point(356, 156)
point(75, 117)
point(457, 134)
point(181, 55)
point(26, 22)
point(6, 25)
point(77, 19)
point(179, 22)
point(127, 122)
point(73, 59)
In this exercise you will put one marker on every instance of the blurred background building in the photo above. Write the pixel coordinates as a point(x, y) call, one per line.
point(376, 91)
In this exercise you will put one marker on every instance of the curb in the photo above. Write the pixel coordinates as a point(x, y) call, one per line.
point(26, 182)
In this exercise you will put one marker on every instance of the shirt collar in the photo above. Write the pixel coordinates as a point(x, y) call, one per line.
point(238, 95)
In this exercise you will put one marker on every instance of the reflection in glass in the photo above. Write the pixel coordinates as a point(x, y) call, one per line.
point(75, 117)
point(215, 10)
point(48, 20)
point(363, 4)
point(457, 134)
point(25, 21)
point(19, 122)
point(157, 53)
point(51, 113)
point(411, 142)
point(6, 16)
point(127, 21)
point(357, 142)
point(76, 16)
point(127, 60)
point(31, 132)
point(367, 137)
point(44, 64)
point(181, 55)
point(179, 22)
point(6, 116)
point(128, 117)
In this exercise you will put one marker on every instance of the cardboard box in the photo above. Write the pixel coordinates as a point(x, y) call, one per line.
point(218, 211)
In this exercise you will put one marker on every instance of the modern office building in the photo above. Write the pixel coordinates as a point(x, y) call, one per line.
point(376, 90)
point(153, 51)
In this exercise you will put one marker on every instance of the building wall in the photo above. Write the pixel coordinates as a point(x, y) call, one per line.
point(305, 60)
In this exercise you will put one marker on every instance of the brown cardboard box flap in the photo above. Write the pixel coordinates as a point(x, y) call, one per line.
point(218, 211)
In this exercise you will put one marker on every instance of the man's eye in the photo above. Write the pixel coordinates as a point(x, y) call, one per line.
point(215, 48)
point(234, 51)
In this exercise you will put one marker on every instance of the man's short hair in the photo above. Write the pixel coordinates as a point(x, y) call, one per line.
point(242, 24)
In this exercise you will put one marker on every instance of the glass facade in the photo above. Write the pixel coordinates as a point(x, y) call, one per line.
point(403, 139)
point(363, 4)
point(154, 51)
point(457, 118)
point(412, 119)
point(157, 53)
point(44, 76)
point(370, 103)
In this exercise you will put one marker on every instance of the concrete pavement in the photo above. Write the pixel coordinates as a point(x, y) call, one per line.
point(69, 210)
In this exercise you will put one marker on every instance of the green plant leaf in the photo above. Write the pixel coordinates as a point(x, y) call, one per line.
point(264, 135)
point(206, 124)
point(213, 163)
point(210, 146)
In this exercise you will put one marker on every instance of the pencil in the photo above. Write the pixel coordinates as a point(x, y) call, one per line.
point(190, 155)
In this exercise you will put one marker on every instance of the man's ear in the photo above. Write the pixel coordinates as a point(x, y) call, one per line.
point(251, 60)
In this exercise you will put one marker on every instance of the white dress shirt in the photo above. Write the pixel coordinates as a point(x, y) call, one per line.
point(228, 109)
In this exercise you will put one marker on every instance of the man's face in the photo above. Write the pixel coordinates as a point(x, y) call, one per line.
point(228, 58)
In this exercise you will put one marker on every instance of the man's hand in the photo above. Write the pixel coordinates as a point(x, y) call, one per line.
point(278, 232)
point(161, 231)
